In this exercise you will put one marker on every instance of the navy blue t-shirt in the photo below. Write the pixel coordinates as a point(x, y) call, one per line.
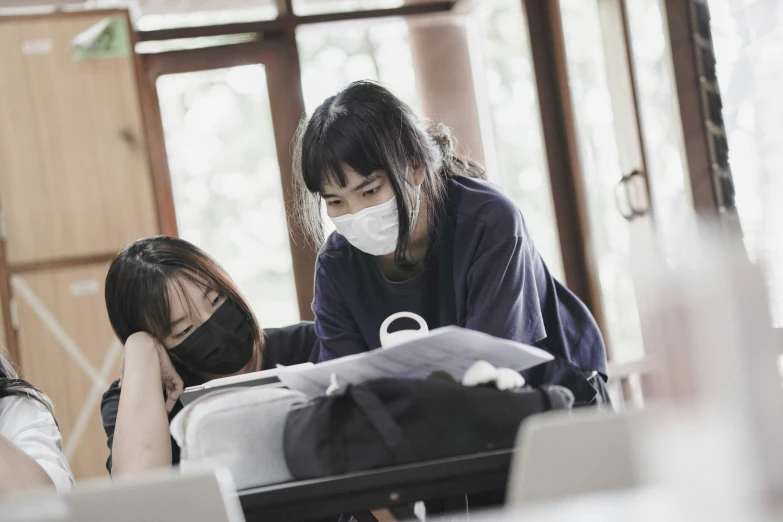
point(486, 275)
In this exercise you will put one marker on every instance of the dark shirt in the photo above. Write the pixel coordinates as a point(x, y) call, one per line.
point(486, 275)
point(287, 346)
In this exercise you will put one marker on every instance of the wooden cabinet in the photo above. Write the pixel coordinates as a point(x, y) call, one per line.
point(74, 172)
point(75, 188)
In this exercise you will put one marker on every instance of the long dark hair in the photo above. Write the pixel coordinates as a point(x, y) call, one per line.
point(138, 287)
point(368, 129)
point(11, 385)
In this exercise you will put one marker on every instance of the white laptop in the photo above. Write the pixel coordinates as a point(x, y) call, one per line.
point(565, 454)
point(163, 496)
point(267, 378)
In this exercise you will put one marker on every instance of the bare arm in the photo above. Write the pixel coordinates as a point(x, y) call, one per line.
point(18, 470)
point(141, 435)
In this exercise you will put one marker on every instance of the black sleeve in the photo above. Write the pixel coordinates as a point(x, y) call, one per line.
point(290, 345)
point(109, 406)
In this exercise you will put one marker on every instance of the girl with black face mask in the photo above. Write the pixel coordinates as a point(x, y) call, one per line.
point(183, 322)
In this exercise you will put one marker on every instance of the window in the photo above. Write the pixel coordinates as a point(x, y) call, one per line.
point(599, 157)
point(334, 55)
point(312, 7)
point(506, 72)
point(661, 125)
point(748, 41)
point(226, 181)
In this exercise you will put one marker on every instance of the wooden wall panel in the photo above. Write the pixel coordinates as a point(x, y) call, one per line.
point(21, 188)
point(74, 174)
point(69, 351)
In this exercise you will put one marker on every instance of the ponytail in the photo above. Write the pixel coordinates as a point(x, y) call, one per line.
point(452, 165)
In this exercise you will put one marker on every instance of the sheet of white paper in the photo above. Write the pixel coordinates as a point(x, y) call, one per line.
point(451, 349)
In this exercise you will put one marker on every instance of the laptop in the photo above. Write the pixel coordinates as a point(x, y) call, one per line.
point(564, 454)
point(268, 378)
point(162, 496)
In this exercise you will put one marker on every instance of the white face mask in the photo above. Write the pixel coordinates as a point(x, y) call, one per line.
point(374, 230)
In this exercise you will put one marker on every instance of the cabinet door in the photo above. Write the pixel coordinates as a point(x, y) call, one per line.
point(74, 174)
point(68, 349)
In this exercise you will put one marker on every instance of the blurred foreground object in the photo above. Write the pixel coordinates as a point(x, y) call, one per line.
point(715, 351)
point(709, 447)
point(155, 497)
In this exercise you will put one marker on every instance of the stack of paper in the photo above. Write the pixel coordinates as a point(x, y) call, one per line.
point(451, 349)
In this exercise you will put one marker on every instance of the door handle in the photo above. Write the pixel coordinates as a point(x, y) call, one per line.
point(624, 200)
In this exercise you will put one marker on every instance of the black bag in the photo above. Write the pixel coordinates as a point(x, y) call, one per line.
point(392, 421)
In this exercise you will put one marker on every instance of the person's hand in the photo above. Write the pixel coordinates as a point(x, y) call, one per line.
point(172, 382)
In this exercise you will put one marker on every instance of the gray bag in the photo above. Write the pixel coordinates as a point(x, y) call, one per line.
point(240, 429)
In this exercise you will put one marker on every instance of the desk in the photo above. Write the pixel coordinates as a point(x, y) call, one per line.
point(388, 487)
point(644, 503)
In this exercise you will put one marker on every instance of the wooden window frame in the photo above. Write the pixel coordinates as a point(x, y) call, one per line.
point(280, 58)
point(558, 122)
point(712, 198)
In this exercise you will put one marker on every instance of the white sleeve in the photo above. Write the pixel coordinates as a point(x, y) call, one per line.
point(30, 426)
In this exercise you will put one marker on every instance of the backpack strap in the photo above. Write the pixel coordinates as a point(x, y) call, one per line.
point(383, 423)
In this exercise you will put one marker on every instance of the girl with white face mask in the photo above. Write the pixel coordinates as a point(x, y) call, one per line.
point(418, 229)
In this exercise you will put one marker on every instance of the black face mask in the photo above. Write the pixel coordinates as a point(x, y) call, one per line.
point(222, 345)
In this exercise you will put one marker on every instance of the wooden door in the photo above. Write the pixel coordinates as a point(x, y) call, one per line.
point(70, 352)
point(74, 173)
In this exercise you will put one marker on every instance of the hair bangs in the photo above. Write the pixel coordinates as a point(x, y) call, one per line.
point(154, 317)
point(336, 139)
point(321, 165)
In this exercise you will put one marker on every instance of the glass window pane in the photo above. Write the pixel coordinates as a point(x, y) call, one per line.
point(661, 125)
point(520, 158)
point(311, 7)
point(748, 40)
point(334, 55)
point(226, 181)
point(600, 162)
point(157, 14)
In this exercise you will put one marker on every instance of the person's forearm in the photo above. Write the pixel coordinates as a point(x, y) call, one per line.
point(141, 434)
point(18, 470)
